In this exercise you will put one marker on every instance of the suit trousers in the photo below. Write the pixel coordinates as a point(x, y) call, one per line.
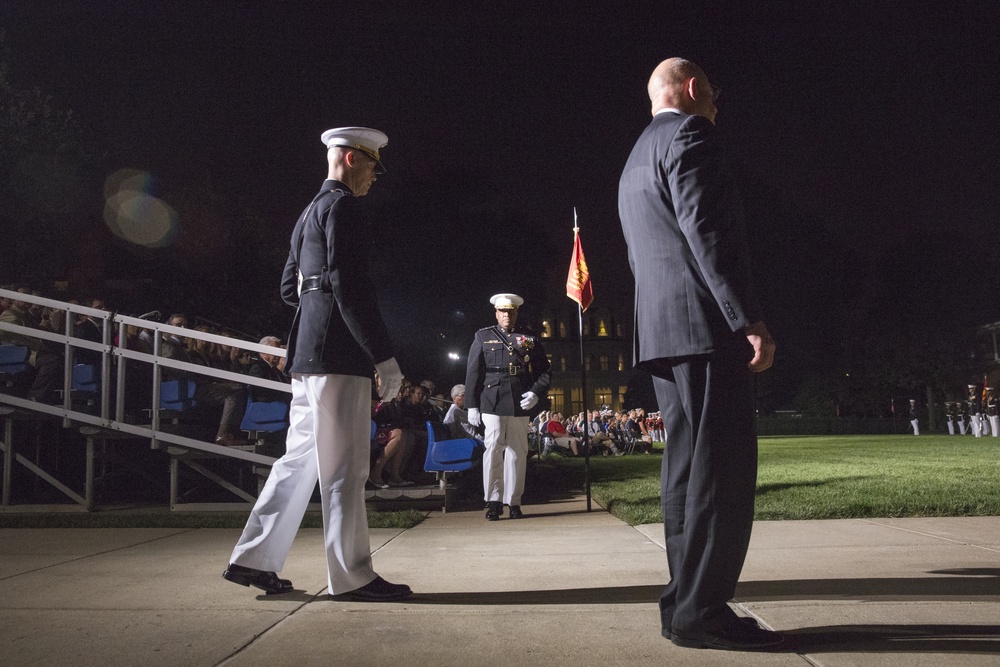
point(328, 441)
point(505, 459)
point(707, 485)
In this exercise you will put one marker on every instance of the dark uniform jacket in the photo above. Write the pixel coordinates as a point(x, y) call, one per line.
point(683, 222)
point(338, 328)
point(489, 384)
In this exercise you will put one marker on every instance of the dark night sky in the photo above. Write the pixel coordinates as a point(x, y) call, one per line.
point(865, 132)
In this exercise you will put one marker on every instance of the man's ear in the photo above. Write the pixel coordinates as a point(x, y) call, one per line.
point(692, 88)
point(350, 159)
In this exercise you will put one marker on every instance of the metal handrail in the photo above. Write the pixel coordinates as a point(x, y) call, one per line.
point(115, 355)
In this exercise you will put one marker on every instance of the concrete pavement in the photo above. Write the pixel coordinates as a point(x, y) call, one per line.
point(562, 587)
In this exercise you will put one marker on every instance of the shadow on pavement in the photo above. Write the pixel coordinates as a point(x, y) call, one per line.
point(969, 639)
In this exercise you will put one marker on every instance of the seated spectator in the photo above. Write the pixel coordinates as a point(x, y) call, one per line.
point(87, 328)
point(600, 441)
point(265, 367)
point(457, 418)
point(46, 361)
point(208, 390)
point(392, 443)
point(634, 429)
point(560, 436)
point(434, 403)
point(419, 410)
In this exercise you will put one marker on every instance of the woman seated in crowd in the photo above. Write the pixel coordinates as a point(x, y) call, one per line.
point(393, 441)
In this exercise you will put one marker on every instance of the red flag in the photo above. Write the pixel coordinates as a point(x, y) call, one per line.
point(578, 286)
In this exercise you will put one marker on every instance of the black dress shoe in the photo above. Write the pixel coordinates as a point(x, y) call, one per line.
point(515, 512)
point(493, 510)
point(667, 634)
point(377, 590)
point(735, 636)
point(265, 581)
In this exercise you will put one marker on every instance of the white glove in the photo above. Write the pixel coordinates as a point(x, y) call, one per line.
point(528, 400)
point(388, 378)
point(474, 417)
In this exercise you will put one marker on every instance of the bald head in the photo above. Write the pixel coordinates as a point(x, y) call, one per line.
point(680, 84)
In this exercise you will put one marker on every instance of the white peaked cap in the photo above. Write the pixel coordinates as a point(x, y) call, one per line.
point(364, 139)
point(506, 301)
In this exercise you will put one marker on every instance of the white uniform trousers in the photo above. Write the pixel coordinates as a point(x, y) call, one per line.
point(328, 441)
point(995, 425)
point(505, 459)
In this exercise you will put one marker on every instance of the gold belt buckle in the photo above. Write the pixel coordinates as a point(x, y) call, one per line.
point(511, 369)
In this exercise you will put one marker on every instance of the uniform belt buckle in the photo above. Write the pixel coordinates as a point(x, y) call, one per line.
point(512, 370)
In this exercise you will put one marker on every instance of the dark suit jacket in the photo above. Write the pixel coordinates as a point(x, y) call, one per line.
point(337, 329)
point(683, 222)
point(499, 393)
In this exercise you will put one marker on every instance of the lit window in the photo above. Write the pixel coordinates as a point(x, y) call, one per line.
point(604, 362)
point(562, 362)
point(562, 330)
point(556, 399)
point(602, 328)
point(546, 329)
point(621, 362)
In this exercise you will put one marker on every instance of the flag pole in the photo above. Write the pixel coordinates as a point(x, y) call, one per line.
point(583, 387)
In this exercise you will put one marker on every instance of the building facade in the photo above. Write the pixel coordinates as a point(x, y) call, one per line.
point(607, 356)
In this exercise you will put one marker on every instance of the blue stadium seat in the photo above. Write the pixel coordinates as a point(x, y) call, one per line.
point(14, 359)
point(177, 395)
point(86, 378)
point(447, 455)
point(265, 416)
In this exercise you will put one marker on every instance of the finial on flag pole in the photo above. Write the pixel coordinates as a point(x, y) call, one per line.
point(576, 227)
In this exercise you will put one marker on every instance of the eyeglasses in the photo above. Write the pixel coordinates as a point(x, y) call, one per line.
point(716, 91)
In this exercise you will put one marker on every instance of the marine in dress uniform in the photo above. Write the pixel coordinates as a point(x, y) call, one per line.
point(337, 340)
point(508, 372)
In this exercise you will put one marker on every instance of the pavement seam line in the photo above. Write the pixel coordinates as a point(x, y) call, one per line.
point(923, 533)
point(99, 553)
point(266, 630)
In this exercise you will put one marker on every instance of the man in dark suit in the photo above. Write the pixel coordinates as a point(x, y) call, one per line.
point(337, 340)
point(507, 375)
point(699, 332)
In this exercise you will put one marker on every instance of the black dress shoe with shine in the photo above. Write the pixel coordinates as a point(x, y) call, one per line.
point(749, 620)
point(265, 581)
point(493, 510)
point(735, 636)
point(515, 512)
point(377, 590)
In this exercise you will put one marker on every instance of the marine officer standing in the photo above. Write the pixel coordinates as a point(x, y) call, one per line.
point(338, 340)
point(508, 373)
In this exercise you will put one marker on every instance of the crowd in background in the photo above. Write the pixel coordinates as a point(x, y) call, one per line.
point(610, 433)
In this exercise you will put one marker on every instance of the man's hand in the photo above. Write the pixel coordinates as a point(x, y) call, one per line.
point(388, 378)
point(763, 347)
point(528, 400)
point(475, 418)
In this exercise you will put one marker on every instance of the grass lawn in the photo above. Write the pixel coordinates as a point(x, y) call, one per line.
point(828, 477)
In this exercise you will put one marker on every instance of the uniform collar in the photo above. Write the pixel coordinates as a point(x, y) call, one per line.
point(334, 184)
